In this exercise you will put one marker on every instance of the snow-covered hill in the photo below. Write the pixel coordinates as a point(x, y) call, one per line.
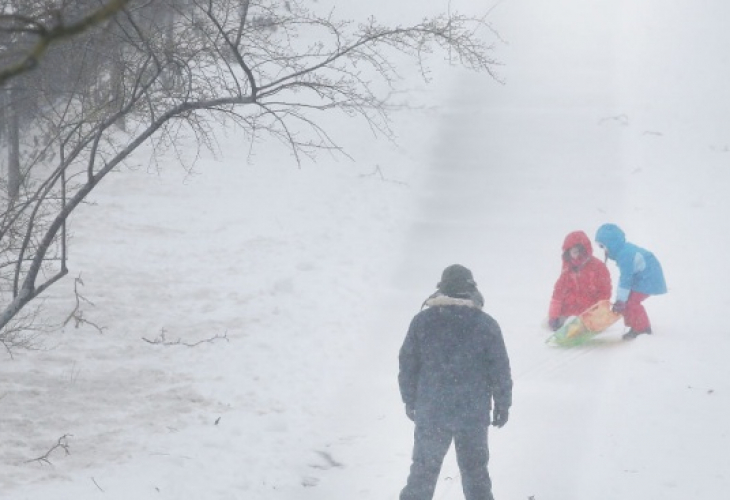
point(252, 312)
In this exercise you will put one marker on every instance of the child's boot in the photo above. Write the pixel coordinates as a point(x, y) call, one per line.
point(632, 334)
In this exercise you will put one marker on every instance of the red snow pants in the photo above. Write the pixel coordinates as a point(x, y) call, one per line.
point(635, 315)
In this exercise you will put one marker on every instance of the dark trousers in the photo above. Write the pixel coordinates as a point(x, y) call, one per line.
point(429, 449)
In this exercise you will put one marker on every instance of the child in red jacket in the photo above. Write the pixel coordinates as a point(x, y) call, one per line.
point(583, 281)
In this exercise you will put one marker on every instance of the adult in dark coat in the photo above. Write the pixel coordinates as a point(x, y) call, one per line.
point(453, 363)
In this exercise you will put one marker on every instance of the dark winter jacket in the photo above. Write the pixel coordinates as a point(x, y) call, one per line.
point(582, 282)
point(640, 269)
point(453, 362)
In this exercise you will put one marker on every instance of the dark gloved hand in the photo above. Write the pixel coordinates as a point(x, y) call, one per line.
point(500, 416)
point(411, 412)
point(619, 307)
point(555, 323)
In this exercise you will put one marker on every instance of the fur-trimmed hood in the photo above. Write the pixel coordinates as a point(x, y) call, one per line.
point(439, 299)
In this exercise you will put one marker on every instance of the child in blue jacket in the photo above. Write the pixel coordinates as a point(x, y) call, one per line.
point(641, 275)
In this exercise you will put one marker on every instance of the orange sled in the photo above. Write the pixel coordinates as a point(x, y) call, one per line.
point(579, 329)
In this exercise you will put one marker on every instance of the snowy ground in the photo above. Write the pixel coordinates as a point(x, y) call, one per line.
point(612, 111)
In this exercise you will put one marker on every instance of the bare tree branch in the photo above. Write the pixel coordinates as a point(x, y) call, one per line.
point(47, 34)
point(62, 443)
point(161, 340)
point(77, 314)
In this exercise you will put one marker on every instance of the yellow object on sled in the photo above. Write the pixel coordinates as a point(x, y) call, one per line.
point(578, 329)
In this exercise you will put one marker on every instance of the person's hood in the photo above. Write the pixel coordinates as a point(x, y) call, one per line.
point(578, 238)
point(439, 299)
point(612, 237)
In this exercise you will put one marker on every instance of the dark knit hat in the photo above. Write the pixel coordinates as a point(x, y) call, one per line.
point(456, 279)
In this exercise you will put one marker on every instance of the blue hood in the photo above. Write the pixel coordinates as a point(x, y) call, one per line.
point(612, 237)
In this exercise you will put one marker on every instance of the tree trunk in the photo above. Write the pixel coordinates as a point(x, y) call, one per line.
point(13, 139)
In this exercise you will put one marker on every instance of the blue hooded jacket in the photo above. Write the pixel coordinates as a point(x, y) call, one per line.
point(640, 270)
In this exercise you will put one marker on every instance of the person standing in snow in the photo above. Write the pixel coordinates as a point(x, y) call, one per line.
point(453, 363)
point(583, 281)
point(641, 275)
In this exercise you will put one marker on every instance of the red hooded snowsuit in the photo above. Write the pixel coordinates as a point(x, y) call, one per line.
point(582, 282)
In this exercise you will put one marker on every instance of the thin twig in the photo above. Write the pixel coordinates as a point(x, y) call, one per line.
point(160, 340)
point(379, 173)
point(62, 443)
point(77, 315)
point(97, 485)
